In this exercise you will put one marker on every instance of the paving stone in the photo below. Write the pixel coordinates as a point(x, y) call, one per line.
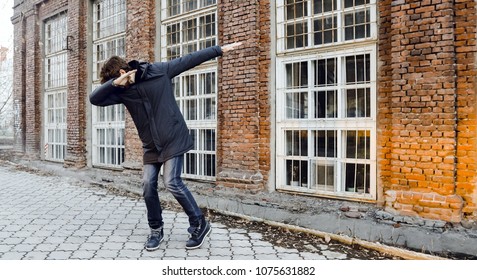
point(90, 246)
point(35, 255)
point(242, 251)
point(46, 247)
point(314, 256)
point(59, 255)
point(129, 254)
point(107, 254)
point(264, 250)
point(334, 255)
point(83, 255)
point(12, 255)
point(68, 247)
point(112, 246)
point(23, 247)
point(291, 256)
point(5, 248)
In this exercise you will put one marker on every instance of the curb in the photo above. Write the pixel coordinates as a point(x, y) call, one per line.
point(398, 252)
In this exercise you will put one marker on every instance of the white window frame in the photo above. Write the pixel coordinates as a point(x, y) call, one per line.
point(201, 124)
point(55, 87)
point(110, 40)
point(340, 123)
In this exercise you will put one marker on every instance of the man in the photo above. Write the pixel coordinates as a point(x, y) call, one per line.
point(146, 91)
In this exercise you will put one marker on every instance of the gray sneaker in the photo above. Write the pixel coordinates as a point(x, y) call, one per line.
point(154, 239)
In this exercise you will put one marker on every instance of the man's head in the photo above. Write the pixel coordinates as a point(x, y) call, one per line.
point(113, 68)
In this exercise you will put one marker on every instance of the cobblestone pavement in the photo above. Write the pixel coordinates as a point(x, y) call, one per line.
point(57, 218)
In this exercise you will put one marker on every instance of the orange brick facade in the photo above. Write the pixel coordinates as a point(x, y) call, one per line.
point(426, 99)
point(426, 109)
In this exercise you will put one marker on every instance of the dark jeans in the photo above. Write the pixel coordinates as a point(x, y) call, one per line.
point(173, 182)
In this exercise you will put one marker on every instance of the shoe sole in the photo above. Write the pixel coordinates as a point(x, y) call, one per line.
point(203, 239)
point(155, 248)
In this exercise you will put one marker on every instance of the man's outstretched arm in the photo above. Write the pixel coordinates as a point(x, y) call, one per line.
point(182, 64)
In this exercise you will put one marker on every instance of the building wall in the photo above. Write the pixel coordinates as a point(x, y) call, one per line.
point(466, 164)
point(139, 46)
point(427, 108)
point(426, 97)
point(243, 96)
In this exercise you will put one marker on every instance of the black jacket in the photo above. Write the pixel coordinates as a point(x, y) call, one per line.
point(152, 105)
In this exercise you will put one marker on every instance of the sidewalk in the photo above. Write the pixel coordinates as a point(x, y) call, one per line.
point(58, 218)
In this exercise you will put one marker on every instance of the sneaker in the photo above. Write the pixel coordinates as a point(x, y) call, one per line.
point(154, 239)
point(198, 234)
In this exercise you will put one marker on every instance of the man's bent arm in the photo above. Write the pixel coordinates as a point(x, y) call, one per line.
point(105, 95)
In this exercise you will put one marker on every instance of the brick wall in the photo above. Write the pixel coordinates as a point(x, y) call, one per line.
point(264, 90)
point(421, 102)
point(465, 36)
point(77, 82)
point(242, 95)
point(140, 36)
point(32, 84)
point(19, 82)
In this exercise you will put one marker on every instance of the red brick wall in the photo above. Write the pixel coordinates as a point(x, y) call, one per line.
point(19, 82)
point(32, 89)
point(264, 90)
point(421, 102)
point(77, 82)
point(140, 35)
point(465, 36)
point(242, 95)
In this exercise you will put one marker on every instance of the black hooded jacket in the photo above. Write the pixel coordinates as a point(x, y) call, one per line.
point(152, 105)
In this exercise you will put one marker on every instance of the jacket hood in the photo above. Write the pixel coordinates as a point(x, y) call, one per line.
point(143, 72)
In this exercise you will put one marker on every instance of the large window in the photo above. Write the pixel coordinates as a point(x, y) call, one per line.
point(326, 97)
point(190, 26)
point(109, 26)
point(55, 87)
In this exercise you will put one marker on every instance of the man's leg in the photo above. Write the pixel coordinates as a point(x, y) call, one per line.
point(153, 205)
point(199, 227)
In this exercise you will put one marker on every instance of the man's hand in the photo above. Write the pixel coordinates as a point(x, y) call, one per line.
point(229, 47)
point(125, 79)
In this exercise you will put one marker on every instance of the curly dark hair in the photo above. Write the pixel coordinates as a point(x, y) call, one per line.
point(111, 68)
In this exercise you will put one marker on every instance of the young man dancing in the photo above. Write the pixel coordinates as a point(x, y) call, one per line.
point(146, 91)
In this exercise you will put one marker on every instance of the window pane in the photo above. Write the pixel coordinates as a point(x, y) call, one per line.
point(173, 7)
point(296, 34)
point(297, 74)
point(357, 177)
point(320, 6)
point(296, 142)
point(325, 143)
point(351, 3)
point(325, 30)
point(297, 105)
point(358, 68)
point(358, 144)
point(358, 103)
point(297, 173)
point(207, 140)
point(323, 176)
point(357, 25)
point(296, 9)
point(326, 104)
point(325, 71)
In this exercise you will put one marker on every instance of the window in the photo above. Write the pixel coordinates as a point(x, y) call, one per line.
point(109, 27)
point(326, 97)
point(55, 87)
point(315, 23)
point(190, 26)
